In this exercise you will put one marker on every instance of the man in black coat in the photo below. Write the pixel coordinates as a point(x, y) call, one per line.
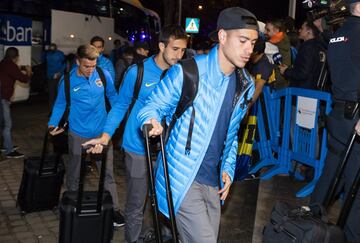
point(306, 69)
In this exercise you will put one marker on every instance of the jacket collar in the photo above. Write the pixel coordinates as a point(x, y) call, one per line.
point(215, 76)
point(100, 57)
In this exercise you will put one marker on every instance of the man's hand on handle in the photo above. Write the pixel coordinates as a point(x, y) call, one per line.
point(157, 129)
point(96, 145)
point(55, 130)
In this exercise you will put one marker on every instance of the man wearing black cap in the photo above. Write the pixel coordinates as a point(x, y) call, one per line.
point(344, 65)
point(141, 49)
point(222, 99)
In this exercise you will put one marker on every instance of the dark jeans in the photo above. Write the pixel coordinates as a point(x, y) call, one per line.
point(6, 129)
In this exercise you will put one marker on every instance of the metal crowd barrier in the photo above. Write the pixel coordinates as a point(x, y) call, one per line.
point(289, 132)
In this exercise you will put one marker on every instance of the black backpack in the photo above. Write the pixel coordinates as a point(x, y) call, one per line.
point(188, 94)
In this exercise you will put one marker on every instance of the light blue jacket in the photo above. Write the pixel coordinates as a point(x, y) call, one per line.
point(162, 103)
point(105, 64)
point(133, 140)
point(87, 114)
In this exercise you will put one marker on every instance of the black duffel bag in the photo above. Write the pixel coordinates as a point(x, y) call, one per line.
point(307, 224)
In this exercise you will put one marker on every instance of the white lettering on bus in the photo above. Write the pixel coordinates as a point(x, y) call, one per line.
point(18, 34)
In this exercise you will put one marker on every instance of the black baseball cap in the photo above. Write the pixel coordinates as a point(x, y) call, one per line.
point(352, 1)
point(235, 18)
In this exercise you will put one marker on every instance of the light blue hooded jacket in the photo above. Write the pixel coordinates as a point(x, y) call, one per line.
point(162, 103)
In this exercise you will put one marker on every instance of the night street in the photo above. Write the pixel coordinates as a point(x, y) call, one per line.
point(29, 120)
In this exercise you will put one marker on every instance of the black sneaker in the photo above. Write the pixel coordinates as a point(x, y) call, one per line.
point(119, 220)
point(14, 155)
point(13, 149)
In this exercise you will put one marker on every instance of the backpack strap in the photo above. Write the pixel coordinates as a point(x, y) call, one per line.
point(188, 94)
point(102, 76)
point(122, 77)
point(163, 74)
point(138, 83)
point(103, 80)
point(139, 78)
point(242, 83)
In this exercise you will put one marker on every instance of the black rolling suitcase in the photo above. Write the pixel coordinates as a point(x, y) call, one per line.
point(152, 193)
point(87, 216)
point(309, 224)
point(41, 181)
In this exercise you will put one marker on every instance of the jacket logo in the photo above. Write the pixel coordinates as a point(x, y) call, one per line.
point(339, 39)
point(76, 89)
point(99, 83)
point(150, 84)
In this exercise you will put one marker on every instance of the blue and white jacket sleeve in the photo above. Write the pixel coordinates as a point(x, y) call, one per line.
point(163, 100)
point(59, 106)
point(122, 103)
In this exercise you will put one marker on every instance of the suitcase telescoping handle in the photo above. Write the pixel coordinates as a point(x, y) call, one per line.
point(146, 129)
point(340, 170)
point(43, 155)
point(83, 175)
point(345, 210)
point(152, 192)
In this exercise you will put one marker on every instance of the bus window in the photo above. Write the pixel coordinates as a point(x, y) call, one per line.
point(134, 23)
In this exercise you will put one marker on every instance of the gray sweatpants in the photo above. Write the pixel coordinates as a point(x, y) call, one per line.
point(137, 188)
point(198, 218)
point(73, 168)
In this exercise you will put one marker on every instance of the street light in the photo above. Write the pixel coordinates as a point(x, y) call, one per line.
point(200, 7)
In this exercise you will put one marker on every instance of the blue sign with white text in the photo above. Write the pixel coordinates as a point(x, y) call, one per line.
point(15, 30)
